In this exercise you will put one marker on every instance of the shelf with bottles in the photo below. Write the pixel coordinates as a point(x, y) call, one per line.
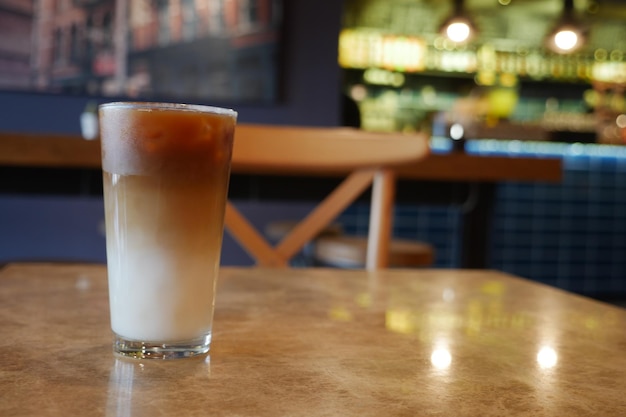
point(367, 48)
point(609, 101)
point(508, 109)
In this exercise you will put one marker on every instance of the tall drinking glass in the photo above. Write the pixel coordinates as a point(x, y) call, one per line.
point(165, 170)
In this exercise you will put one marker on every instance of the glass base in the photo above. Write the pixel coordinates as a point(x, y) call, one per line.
point(154, 350)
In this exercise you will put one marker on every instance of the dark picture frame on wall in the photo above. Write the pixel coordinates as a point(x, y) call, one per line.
point(225, 51)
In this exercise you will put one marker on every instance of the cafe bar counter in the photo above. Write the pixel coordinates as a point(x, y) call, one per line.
point(320, 342)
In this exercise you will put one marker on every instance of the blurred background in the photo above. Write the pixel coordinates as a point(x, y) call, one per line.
point(512, 84)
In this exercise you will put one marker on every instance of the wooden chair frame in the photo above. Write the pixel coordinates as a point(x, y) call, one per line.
point(363, 158)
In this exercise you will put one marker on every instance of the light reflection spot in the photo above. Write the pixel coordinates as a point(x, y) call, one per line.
point(83, 283)
point(364, 300)
point(441, 358)
point(547, 357)
point(448, 294)
point(340, 314)
point(457, 131)
point(399, 321)
point(493, 288)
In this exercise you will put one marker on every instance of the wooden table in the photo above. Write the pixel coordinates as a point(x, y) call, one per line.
point(70, 151)
point(320, 342)
point(467, 177)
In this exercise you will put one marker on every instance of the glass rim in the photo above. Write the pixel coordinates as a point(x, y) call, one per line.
point(155, 105)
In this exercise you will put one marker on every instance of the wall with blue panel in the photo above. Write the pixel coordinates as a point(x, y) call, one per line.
point(573, 234)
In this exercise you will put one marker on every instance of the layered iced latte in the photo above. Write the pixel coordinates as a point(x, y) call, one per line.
point(165, 170)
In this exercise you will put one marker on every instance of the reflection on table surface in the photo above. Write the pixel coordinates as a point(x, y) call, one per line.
point(320, 342)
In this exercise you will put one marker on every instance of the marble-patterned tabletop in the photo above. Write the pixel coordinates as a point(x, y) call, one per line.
point(319, 342)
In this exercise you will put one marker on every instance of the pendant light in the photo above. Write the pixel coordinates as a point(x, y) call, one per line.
point(458, 27)
point(569, 34)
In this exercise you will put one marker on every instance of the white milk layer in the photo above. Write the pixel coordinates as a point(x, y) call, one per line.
point(163, 251)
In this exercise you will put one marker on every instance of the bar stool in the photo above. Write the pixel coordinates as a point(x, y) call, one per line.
point(277, 230)
point(351, 252)
point(334, 248)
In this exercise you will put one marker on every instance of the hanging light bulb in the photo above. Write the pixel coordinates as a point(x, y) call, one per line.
point(458, 27)
point(566, 40)
point(458, 31)
point(568, 34)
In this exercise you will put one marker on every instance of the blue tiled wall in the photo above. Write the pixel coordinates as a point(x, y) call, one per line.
point(571, 235)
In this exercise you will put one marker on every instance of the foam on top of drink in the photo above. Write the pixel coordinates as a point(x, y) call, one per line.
point(144, 139)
